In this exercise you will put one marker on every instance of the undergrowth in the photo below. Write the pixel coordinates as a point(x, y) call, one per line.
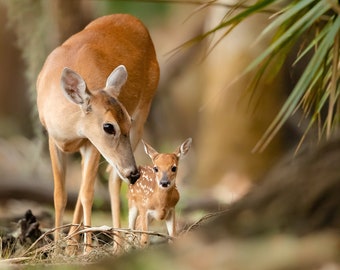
point(107, 242)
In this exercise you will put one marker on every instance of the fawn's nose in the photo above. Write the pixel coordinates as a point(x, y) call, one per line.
point(134, 175)
point(164, 183)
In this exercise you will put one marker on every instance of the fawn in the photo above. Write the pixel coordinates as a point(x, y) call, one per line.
point(155, 195)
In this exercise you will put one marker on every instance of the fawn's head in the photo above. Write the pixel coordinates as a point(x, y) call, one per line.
point(165, 165)
point(104, 121)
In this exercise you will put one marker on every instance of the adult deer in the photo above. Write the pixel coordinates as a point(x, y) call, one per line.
point(155, 195)
point(87, 104)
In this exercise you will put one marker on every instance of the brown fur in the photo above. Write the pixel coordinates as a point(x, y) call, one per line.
point(155, 194)
point(93, 53)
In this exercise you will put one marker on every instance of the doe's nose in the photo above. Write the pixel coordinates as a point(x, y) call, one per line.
point(133, 177)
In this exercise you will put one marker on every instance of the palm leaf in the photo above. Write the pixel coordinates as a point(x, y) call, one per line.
point(318, 86)
point(306, 81)
point(296, 30)
point(229, 21)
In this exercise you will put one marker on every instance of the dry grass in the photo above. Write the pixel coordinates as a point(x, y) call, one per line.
point(107, 242)
point(45, 250)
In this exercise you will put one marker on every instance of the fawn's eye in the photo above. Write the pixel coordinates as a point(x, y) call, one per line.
point(173, 168)
point(155, 169)
point(109, 129)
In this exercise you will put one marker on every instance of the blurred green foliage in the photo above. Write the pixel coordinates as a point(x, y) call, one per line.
point(146, 11)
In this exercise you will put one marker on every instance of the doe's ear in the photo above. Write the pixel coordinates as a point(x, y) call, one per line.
point(116, 80)
point(183, 149)
point(74, 87)
point(152, 153)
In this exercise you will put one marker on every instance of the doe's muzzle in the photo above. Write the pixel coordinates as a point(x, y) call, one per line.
point(133, 177)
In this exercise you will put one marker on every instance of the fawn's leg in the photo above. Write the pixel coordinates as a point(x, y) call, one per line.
point(144, 220)
point(133, 213)
point(171, 223)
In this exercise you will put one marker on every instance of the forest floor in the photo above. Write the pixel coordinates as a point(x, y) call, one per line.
point(27, 240)
point(291, 220)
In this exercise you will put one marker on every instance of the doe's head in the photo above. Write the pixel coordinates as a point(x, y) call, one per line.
point(104, 120)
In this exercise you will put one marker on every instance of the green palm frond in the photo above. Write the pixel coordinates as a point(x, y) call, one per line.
point(317, 23)
point(316, 76)
point(230, 20)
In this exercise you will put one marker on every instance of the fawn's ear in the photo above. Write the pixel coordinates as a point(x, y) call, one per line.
point(116, 80)
point(149, 150)
point(183, 149)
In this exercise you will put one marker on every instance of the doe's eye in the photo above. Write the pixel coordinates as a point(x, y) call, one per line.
point(173, 168)
point(109, 129)
point(155, 169)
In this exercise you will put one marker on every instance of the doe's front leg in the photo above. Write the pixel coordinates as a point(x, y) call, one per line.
point(115, 184)
point(58, 162)
point(90, 162)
